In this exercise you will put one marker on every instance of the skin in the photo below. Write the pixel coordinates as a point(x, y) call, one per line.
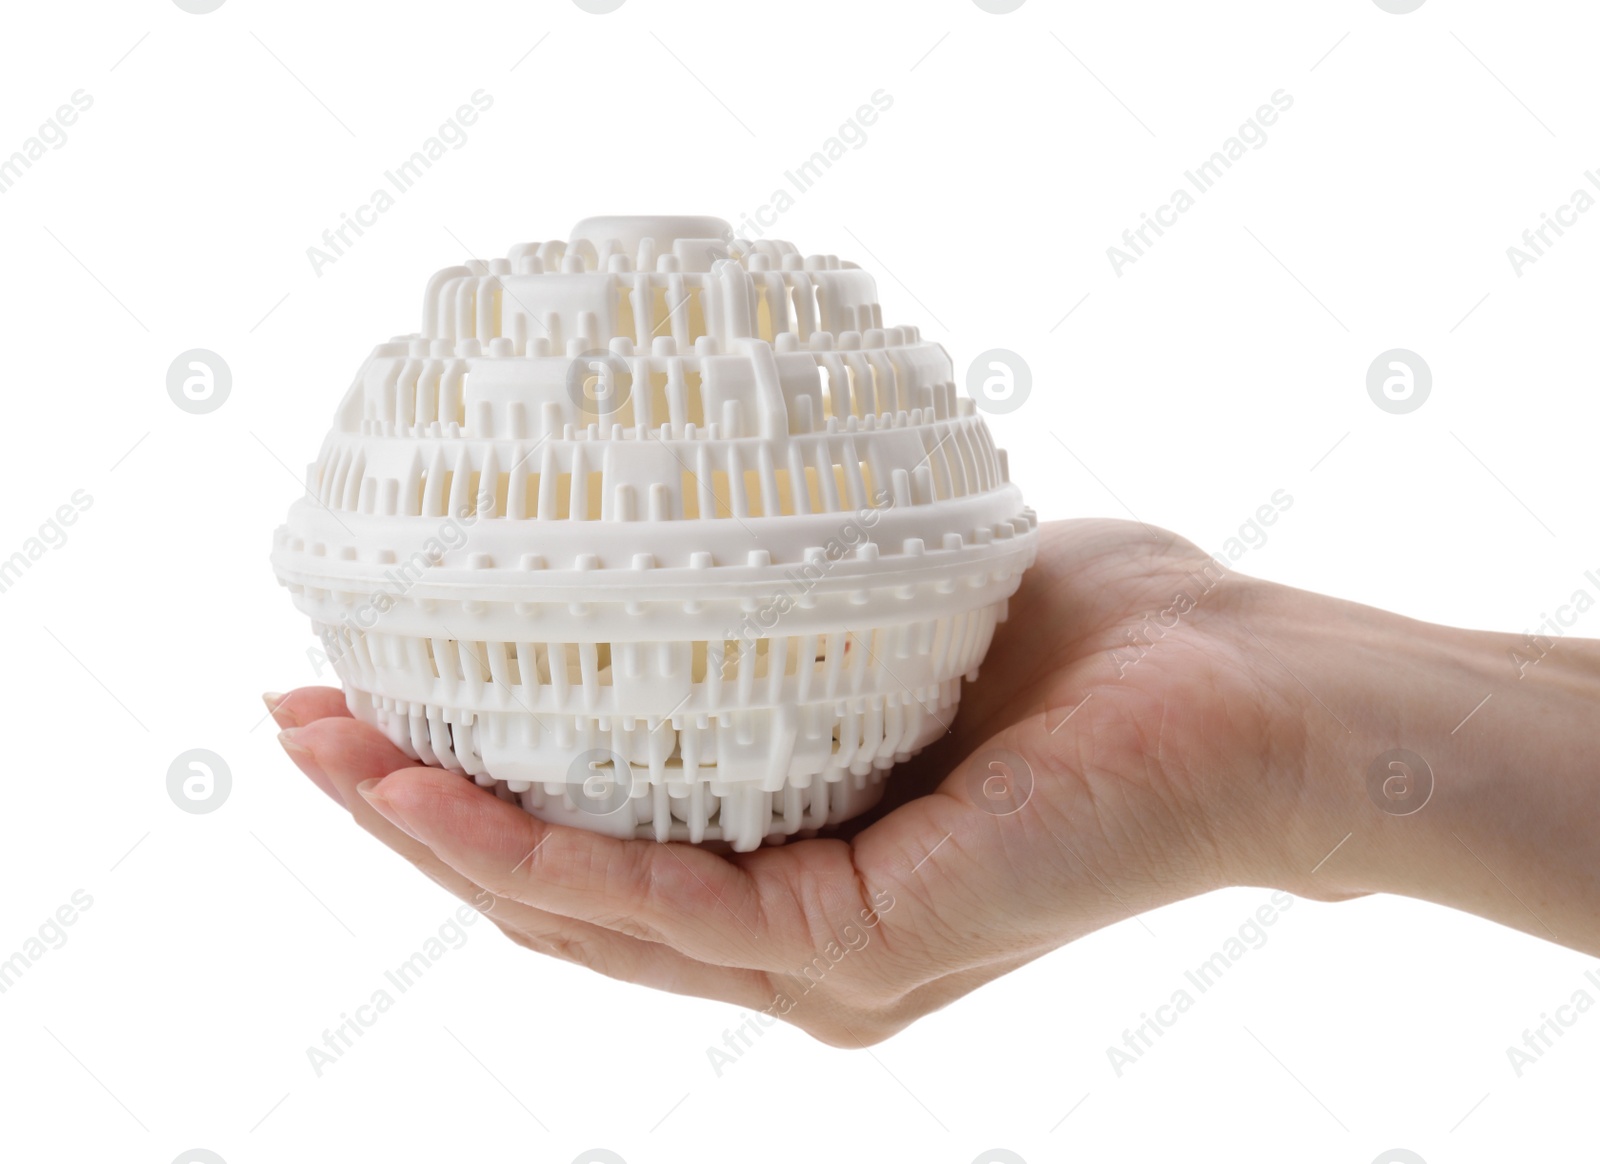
point(1232, 748)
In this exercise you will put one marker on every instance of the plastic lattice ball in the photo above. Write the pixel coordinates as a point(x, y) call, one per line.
point(660, 533)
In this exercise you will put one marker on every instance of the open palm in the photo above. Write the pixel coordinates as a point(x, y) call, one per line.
point(1091, 774)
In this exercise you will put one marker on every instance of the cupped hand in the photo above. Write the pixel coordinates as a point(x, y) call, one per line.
point(1122, 750)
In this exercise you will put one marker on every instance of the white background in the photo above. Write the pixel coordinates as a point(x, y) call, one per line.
point(1222, 366)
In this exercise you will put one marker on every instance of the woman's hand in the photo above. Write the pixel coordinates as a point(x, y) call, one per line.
point(1148, 726)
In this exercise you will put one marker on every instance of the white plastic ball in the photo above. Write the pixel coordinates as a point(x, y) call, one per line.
point(660, 533)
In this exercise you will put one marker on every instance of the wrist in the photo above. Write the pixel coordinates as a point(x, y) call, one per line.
point(1449, 765)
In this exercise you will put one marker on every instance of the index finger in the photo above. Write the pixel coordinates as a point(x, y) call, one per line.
point(763, 910)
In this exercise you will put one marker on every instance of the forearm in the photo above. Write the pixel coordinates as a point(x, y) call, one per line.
point(1510, 737)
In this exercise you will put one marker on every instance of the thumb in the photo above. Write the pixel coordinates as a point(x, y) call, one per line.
point(1005, 858)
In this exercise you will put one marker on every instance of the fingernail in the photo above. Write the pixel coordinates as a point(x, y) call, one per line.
point(373, 795)
point(306, 761)
point(280, 714)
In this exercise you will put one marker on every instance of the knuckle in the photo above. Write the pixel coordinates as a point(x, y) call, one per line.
point(854, 1032)
point(571, 948)
point(632, 927)
point(553, 944)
